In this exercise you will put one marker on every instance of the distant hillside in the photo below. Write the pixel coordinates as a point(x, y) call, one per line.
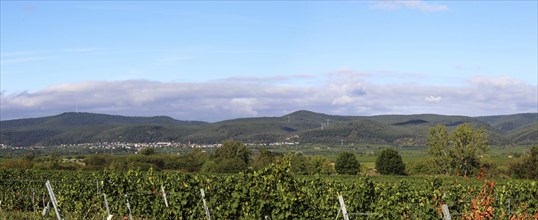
point(525, 135)
point(302, 126)
point(71, 127)
point(72, 119)
point(358, 131)
point(508, 123)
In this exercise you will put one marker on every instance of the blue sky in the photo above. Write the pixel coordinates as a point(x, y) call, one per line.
point(219, 60)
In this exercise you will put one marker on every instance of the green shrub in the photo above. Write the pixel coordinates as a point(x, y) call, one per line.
point(347, 163)
point(390, 162)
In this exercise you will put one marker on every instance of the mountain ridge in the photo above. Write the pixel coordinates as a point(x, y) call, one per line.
point(304, 126)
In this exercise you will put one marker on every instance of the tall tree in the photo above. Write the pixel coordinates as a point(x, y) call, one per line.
point(459, 152)
point(347, 163)
point(438, 146)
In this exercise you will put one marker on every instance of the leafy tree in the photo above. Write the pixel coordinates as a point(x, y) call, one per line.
point(528, 167)
point(390, 162)
point(194, 160)
point(299, 163)
point(190, 162)
point(457, 153)
point(232, 157)
point(264, 158)
point(309, 165)
point(232, 149)
point(426, 166)
point(347, 163)
point(438, 146)
point(147, 151)
point(320, 165)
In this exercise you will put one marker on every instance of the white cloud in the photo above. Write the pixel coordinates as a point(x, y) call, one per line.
point(265, 79)
point(409, 4)
point(343, 100)
point(502, 81)
point(432, 98)
point(244, 106)
point(345, 94)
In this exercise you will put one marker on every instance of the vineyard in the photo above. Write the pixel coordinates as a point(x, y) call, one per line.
point(273, 193)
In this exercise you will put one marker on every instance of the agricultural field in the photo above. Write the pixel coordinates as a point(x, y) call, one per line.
point(270, 193)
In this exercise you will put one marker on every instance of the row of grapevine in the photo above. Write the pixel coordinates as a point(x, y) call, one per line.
point(273, 193)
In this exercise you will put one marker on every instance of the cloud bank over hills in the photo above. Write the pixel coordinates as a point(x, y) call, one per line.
point(343, 92)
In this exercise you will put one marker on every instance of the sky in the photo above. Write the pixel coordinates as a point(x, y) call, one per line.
point(218, 60)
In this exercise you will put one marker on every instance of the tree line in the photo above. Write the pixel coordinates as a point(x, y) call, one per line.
point(231, 157)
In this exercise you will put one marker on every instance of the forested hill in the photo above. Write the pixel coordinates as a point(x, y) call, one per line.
point(301, 126)
point(68, 128)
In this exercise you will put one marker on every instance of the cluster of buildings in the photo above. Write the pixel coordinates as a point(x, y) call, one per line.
point(137, 146)
point(6, 146)
point(126, 145)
